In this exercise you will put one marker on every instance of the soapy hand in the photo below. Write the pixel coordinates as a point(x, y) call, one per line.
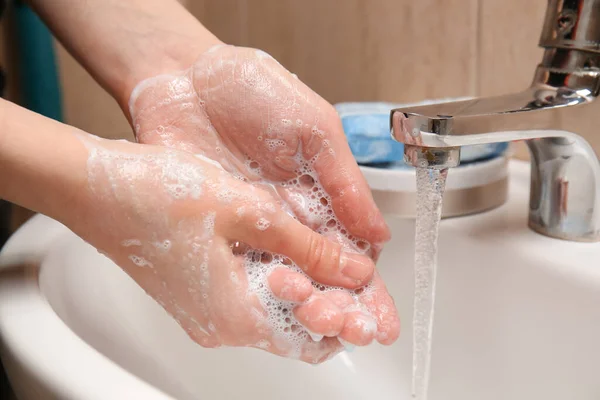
point(241, 108)
point(189, 238)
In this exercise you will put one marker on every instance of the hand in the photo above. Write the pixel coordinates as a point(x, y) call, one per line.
point(205, 111)
point(185, 230)
point(240, 107)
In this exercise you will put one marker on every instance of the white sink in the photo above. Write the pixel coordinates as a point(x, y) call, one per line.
point(518, 317)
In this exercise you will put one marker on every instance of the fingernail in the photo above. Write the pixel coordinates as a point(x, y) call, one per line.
point(356, 267)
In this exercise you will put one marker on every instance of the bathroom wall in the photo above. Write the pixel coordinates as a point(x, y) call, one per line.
point(394, 50)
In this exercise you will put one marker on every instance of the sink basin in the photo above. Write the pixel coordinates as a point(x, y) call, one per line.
point(517, 317)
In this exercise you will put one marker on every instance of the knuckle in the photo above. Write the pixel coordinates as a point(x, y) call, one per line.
point(321, 255)
point(314, 252)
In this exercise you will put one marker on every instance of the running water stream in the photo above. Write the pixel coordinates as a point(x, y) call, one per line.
point(430, 190)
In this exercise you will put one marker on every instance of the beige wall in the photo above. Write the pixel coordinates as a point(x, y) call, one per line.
point(86, 105)
point(393, 50)
point(347, 50)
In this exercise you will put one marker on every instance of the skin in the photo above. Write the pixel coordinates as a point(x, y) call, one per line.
point(237, 101)
point(230, 106)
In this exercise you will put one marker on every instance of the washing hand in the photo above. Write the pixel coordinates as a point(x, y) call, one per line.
point(249, 221)
point(288, 209)
point(240, 107)
point(225, 257)
point(188, 240)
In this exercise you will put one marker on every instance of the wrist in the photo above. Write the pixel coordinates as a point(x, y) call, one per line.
point(168, 54)
point(43, 164)
point(122, 42)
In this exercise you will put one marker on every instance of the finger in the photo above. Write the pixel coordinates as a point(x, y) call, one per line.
point(340, 298)
point(321, 351)
point(320, 316)
point(337, 172)
point(359, 328)
point(381, 306)
point(312, 352)
point(290, 285)
point(319, 257)
point(341, 178)
point(297, 116)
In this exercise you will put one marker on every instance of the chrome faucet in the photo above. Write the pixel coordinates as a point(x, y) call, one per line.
point(565, 174)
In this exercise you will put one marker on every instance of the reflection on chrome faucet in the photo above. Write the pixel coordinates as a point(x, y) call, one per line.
point(565, 175)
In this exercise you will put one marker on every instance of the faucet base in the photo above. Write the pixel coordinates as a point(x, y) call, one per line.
point(564, 199)
point(542, 230)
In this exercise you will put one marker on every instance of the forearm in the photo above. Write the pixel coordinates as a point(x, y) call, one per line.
point(121, 42)
point(42, 162)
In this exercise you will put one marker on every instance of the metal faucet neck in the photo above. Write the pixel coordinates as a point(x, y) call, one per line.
point(572, 24)
point(569, 70)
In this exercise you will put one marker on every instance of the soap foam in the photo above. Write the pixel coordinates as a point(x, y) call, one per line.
point(305, 198)
point(131, 242)
point(311, 203)
point(140, 261)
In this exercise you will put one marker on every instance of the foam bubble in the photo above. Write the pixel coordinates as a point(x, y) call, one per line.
point(274, 144)
point(314, 203)
point(263, 344)
point(165, 245)
point(179, 177)
point(262, 224)
point(131, 242)
point(140, 261)
point(279, 315)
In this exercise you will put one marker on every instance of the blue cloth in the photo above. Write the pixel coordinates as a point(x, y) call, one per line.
point(367, 129)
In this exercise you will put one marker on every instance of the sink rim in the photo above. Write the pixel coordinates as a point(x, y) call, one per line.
point(25, 312)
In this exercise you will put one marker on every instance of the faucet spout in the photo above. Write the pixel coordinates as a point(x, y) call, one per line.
point(565, 173)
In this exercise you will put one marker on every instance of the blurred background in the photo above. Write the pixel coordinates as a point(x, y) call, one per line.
point(350, 50)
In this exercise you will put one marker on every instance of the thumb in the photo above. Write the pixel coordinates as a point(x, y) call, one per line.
point(321, 259)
